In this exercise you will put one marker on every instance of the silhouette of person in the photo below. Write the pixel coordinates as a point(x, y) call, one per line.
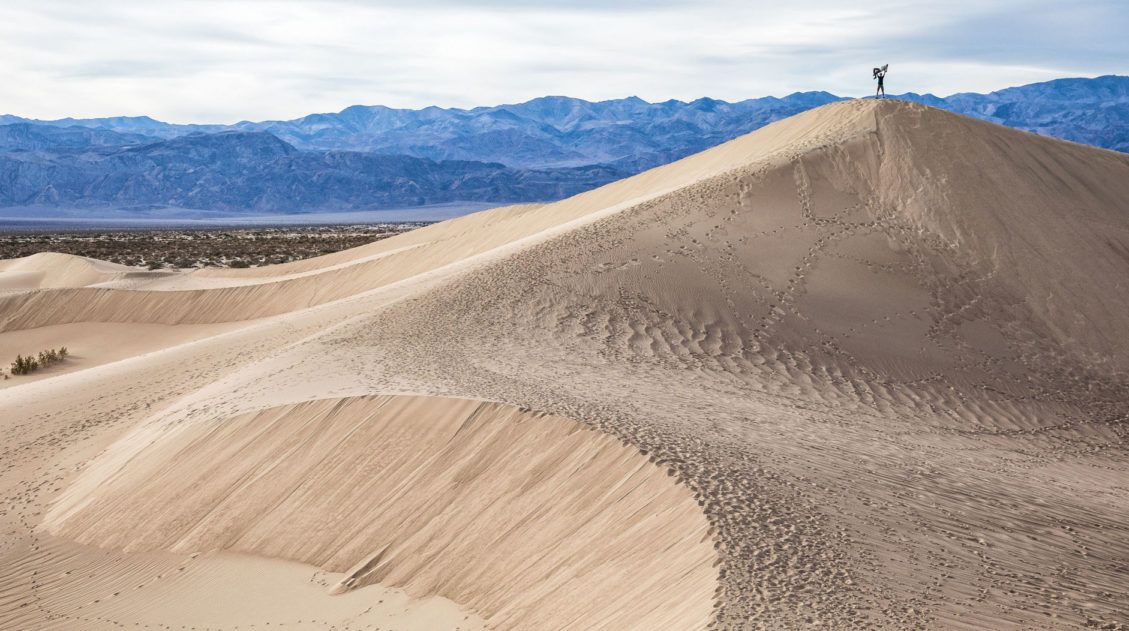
point(880, 74)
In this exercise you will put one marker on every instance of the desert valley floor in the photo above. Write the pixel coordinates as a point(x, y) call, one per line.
point(865, 368)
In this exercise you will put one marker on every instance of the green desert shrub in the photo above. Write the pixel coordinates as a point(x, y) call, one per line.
point(24, 365)
point(27, 365)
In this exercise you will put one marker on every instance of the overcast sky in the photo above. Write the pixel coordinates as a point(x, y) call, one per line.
point(228, 60)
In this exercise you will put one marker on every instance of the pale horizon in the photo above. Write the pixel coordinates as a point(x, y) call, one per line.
point(489, 105)
point(208, 62)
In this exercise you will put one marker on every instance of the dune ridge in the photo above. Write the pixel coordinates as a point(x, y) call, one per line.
point(51, 270)
point(325, 279)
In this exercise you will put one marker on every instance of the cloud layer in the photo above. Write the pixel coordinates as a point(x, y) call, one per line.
point(227, 60)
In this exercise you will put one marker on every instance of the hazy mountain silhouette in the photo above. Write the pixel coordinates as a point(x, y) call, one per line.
point(375, 156)
point(237, 171)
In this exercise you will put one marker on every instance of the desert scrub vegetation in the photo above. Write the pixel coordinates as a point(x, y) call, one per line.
point(182, 248)
point(31, 363)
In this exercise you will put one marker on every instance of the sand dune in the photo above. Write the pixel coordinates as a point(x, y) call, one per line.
point(863, 368)
point(100, 343)
point(436, 496)
point(206, 591)
point(51, 270)
point(324, 279)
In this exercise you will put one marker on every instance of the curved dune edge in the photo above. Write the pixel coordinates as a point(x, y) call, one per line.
point(531, 520)
point(47, 270)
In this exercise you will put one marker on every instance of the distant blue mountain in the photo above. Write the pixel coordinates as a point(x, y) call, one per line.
point(29, 137)
point(255, 171)
point(554, 131)
point(375, 156)
point(1090, 111)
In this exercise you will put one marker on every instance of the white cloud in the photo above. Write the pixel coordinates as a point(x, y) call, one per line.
point(222, 61)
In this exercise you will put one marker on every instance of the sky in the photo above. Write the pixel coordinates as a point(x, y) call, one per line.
point(221, 61)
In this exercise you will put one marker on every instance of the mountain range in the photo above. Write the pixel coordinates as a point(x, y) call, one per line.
point(378, 157)
point(250, 171)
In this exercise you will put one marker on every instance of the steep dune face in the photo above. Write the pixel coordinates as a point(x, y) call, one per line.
point(526, 518)
point(873, 349)
point(1047, 222)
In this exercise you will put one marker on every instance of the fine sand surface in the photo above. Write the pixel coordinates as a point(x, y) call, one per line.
point(863, 368)
point(100, 343)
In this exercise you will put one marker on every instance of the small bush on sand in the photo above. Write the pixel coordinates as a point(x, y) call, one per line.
point(27, 365)
point(24, 365)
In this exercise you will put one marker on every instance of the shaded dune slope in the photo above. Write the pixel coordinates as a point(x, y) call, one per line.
point(930, 248)
point(910, 247)
point(529, 519)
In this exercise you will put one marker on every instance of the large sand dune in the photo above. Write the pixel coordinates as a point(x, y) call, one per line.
point(863, 368)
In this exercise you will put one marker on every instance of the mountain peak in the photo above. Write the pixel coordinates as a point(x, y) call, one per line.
point(225, 146)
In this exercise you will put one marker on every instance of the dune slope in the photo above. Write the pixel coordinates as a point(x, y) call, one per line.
point(525, 518)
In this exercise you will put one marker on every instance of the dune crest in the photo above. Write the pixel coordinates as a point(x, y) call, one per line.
point(49, 270)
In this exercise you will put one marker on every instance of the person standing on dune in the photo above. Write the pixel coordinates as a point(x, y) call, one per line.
point(880, 74)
